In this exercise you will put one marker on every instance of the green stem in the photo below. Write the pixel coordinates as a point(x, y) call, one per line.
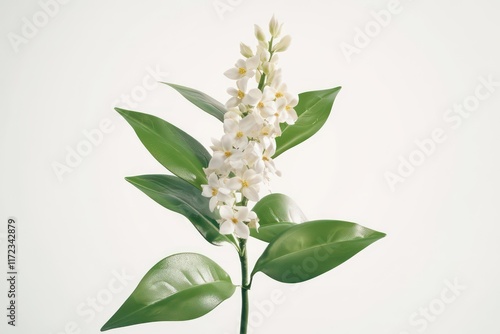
point(262, 80)
point(244, 286)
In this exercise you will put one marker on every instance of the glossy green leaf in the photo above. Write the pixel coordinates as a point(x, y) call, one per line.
point(310, 249)
point(277, 213)
point(179, 196)
point(313, 110)
point(173, 148)
point(180, 287)
point(201, 100)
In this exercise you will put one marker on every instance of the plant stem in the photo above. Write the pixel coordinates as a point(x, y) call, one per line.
point(263, 77)
point(244, 286)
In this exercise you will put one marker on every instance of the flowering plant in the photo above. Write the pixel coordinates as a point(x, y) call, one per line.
point(261, 120)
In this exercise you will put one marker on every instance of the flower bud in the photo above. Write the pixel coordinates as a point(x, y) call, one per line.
point(268, 67)
point(257, 76)
point(245, 50)
point(263, 53)
point(253, 220)
point(259, 33)
point(283, 44)
point(274, 27)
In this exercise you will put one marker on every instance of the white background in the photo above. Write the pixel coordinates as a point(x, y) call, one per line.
point(74, 234)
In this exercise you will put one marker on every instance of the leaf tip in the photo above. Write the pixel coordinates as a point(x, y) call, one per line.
point(130, 179)
point(123, 112)
point(106, 327)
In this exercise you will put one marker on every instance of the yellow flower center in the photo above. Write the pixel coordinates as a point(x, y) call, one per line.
point(260, 105)
point(227, 154)
point(288, 108)
point(244, 184)
point(240, 94)
point(265, 132)
point(214, 192)
point(278, 95)
point(234, 220)
point(263, 158)
point(239, 134)
point(241, 70)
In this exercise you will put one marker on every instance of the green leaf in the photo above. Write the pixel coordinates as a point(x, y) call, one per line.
point(179, 196)
point(201, 100)
point(310, 249)
point(180, 287)
point(277, 213)
point(313, 110)
point(173, 148)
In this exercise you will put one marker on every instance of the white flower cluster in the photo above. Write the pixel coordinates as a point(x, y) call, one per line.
point(242, 158)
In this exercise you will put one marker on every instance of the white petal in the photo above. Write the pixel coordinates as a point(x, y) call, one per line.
point(227, 143)
point(242, 84)
point(292, 99)
point(232, 102)
point(240, 63)
point(213, 180)
point(234, 183)
point(242, 230)
point(250, 193)
point(242, 213)
point(207, 190)
point(252, 215)
point(252, 97)
point(224, 191)
point(213, 203)
point(292, 116)
point(227, 227)
point(226, 212)
point(217, 161)
point(232, 91)
point(216, 143)
point(230, 125)
point(259, 166)
point(255, 179)
point(233, 73)
point(253, 62)
point(248, 174)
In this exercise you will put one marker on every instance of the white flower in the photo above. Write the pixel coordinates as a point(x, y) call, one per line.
point(216, 191)
point(265, 164)
point(237, 133)
point(248, 184)
point(252, 154)
point(251, 124)
point(278, 88)
point(225, 154)
point(233, 221)
point(237, 95)
point(243, 68)
point(266, 134)
point(265, 101)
